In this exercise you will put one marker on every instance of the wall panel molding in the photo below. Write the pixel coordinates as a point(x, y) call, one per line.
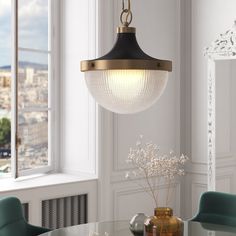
point(148, 207)
point(197, 190)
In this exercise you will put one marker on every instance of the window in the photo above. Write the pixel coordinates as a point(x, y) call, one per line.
point(26, 86)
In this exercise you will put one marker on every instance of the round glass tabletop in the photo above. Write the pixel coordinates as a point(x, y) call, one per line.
point(121, 228)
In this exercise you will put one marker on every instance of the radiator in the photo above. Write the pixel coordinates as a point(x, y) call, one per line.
point(25, 208)
point(64, 212)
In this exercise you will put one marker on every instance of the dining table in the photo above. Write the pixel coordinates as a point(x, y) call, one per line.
point(121, 228)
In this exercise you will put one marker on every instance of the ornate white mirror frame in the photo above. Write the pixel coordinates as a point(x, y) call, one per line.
point(224, 48)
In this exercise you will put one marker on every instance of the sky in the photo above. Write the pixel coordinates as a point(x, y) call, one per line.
point(33, 30)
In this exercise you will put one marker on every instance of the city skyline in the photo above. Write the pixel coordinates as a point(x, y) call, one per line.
point(24, 64)
point(32, 126)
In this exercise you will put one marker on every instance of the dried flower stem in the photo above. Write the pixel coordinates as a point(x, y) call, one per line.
point(153, 168)
point(152, 190)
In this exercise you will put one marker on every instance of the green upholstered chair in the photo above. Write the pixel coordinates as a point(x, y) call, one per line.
point(217, 208)
point(12, 222)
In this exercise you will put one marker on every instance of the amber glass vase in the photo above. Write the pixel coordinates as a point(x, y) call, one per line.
point(163, 223)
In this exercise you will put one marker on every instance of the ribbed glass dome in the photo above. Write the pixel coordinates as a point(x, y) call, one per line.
point(126, 91)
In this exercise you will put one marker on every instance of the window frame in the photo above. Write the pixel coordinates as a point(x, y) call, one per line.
point(53, 107)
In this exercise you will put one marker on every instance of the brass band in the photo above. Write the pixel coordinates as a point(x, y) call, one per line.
point(123, 29)
point(117, 64)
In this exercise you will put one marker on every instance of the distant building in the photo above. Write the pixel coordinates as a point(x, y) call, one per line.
point(34, 133)
point(33, 126)
point(5, 89)
point(29, 74)
point(5, 79)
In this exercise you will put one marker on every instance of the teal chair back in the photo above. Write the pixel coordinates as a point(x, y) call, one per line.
point(12, 222)
point(217, 208)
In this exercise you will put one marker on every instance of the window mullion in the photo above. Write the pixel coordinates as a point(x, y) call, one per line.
point(35, 109)
point(14, 85)
point(34, 50)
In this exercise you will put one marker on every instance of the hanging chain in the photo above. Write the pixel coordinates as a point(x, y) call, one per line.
point(126, 15)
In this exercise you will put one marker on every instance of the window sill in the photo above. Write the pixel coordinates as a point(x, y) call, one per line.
point(37, 181)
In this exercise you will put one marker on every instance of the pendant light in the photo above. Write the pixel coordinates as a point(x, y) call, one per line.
point(126, 80)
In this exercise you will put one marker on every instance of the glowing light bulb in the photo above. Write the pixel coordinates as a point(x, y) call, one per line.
point(126, 91)
point(126, 84)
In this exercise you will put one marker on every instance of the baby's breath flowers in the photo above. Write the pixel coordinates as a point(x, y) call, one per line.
point(151, 166)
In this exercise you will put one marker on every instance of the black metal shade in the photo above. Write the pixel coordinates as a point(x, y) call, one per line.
point(126, 54)
point(126, 47)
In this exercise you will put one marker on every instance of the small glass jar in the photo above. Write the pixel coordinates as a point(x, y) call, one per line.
point(136, 224)
point(163, 223)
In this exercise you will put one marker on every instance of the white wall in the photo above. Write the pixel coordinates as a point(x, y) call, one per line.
point(208, 18)
point(78, 42)
point(158, 33)
point(177, 30)
point(225, 126)
point(83, 35)
point(185, 97)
